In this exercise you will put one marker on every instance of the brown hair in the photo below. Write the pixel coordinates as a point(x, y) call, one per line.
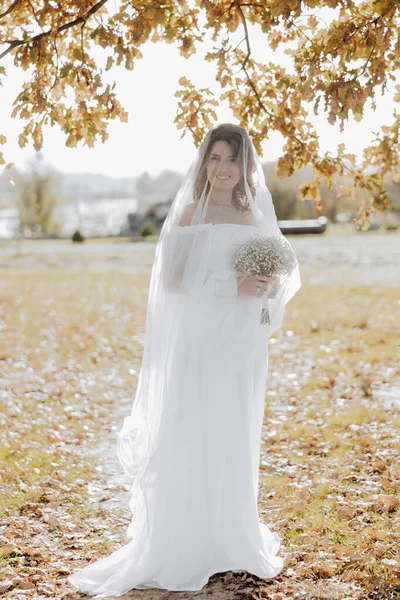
point(233, 134)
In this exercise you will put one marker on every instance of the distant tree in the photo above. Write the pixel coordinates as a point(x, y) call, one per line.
point(393, 188)
point(150, 191)
point(287, 202)
point(338, 62)
point(144, 190)
point(37, 199)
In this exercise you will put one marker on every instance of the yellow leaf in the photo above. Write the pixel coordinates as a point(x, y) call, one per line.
point(22, 140)
point(123, 116)
point(184, 81)
point(396, 176)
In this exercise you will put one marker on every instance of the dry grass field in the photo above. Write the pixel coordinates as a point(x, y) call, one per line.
point(71, 340)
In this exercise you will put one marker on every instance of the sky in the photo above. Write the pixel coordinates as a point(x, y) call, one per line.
point(150, 141)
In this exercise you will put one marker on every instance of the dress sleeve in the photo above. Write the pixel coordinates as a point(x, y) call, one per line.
point(226, 287)
point(226, 283)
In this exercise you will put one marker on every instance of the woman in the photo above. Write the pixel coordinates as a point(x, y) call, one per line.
point(192, 441)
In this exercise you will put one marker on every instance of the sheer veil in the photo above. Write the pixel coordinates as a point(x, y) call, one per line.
point(182, 294)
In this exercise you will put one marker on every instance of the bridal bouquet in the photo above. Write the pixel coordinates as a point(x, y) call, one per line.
point(269, 256)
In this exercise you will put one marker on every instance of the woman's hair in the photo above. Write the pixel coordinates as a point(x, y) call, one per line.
point(233, 134)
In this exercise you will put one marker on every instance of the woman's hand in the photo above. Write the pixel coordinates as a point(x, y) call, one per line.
point(254, 285)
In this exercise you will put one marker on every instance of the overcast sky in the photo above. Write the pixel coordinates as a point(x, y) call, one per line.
point(150, 141)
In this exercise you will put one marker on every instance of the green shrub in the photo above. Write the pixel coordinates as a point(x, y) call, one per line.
point(77, 236)
point(147, 229)
point(391, 226)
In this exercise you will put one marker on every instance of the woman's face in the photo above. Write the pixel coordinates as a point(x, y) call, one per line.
point(223, 171)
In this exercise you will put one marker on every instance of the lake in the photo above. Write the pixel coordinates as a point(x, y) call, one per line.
point(93, 217)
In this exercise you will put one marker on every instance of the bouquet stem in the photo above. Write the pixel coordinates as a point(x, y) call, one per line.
point(265, 316)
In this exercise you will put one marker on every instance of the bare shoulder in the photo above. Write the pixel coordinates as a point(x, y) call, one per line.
point(187, 214)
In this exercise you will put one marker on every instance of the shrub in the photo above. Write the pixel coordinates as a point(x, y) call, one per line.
point(391, 226)
point(147, 229)
point(77, 236)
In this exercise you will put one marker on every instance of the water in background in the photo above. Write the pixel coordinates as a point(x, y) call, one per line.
point(94, 218)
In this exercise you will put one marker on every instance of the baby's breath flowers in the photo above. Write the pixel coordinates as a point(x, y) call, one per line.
point(269, 256)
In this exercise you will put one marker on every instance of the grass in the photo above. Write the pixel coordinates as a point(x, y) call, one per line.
point(337, 449)
point(70, 353)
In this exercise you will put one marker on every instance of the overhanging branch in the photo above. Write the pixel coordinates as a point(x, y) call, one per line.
point(15, 43)
point(10, 8)
point(246, 33)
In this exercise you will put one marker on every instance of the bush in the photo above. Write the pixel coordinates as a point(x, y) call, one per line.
point(147, 229)
point(391, 226)
point(77, 236)
point(38, 197)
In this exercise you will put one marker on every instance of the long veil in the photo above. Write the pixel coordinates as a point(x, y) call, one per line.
point(183, 286)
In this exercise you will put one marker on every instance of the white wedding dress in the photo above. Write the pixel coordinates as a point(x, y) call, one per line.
point(200, 515)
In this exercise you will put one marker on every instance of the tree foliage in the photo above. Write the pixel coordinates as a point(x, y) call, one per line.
point(38, 197)
point(338, 64)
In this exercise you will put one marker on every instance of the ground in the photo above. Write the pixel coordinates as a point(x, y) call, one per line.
point(71, 339)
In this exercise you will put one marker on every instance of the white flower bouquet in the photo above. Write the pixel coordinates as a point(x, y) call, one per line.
point(270, 256)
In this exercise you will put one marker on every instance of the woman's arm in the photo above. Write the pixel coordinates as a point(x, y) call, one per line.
point(187, 215)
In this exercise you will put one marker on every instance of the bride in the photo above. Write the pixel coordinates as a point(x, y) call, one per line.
point(191, 444)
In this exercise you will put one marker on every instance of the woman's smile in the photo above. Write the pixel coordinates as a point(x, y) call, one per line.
point(222, 165)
